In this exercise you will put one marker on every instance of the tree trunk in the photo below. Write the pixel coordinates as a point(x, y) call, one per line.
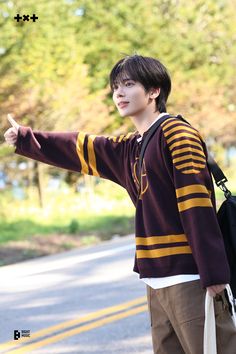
point(227, 156)
point(89, 183)
point(38, 182)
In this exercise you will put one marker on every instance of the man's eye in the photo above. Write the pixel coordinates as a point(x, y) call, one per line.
point(115, 87)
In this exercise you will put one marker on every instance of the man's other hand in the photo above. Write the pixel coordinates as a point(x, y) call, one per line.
point(215, 289)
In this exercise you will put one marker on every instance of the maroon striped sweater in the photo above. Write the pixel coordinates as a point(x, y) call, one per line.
point(175, 223)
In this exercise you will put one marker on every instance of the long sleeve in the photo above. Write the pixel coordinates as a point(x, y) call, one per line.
point(184, 153)
point(76, 151)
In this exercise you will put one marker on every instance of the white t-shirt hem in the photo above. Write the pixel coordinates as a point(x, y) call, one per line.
point(159, 283)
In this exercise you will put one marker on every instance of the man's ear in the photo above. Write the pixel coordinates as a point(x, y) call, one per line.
point(154, 92)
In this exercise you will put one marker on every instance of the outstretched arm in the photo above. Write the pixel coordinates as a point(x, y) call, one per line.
point(76, 151)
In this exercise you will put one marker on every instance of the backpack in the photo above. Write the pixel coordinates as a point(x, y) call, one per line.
point(226, 214)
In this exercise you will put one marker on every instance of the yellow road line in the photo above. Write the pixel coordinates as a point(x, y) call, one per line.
point(70, 323)
point(84, 328)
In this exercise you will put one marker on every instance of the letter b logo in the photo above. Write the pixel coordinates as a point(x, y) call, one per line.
point(16, 335)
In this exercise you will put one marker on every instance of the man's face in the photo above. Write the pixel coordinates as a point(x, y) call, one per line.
point(132, 92)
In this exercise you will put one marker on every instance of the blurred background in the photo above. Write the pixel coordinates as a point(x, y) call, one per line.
point(54, 76)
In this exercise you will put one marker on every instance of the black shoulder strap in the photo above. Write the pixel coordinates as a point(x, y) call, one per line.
point(147, 139)
point(216, 171)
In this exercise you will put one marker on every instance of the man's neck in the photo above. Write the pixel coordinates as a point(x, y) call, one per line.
point(143, 124)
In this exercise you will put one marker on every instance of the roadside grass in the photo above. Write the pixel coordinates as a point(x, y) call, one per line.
point(65, 212)
point(105, 213)
point(68, 219)
point(104, 226)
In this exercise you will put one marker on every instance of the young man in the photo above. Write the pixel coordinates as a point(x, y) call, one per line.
point(179, 247)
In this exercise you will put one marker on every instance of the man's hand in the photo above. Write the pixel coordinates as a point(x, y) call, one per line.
point(11, 134)
point(215, 289)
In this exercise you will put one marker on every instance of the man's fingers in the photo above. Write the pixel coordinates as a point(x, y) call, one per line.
point(10, 132)
point(11, 140)
point(215, 289)
point(211, 292)
point(11, 136)
point(12, 121)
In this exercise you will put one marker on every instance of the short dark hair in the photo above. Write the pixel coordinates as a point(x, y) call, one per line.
point(150, 72)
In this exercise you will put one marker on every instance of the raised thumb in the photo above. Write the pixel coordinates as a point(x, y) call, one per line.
point(12, 121)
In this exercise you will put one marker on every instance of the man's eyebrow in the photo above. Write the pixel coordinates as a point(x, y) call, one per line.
point(127, 79)
point(124, 80)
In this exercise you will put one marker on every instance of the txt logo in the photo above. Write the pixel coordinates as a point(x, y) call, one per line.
point(26, 18)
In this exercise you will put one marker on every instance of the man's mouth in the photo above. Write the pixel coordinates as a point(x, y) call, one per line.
point(123, 104)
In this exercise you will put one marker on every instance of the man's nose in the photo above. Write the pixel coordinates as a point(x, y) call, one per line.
point(119, 91)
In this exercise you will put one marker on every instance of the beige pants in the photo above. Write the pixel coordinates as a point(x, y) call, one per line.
point(177, 316)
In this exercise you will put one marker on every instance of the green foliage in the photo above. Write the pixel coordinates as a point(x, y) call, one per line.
point(73, 227)
point(67, 212)
point(24, 228)
point(54, 72)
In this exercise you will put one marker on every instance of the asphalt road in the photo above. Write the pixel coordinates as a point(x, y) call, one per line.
point(80, 301)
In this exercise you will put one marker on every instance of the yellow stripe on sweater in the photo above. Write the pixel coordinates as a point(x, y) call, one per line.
point(181, 142)
point(171, 121)
point(190, 171)
point(127, 136)
point(193, 188)
point(80, 152)
point(183, 135)
point(194, 202)
point(187, 157)
point(180, 127)
point(163, 252)
point(189, 150)
point(120, 138)
point(190, 164)
point(159, 240)
point(91, 155)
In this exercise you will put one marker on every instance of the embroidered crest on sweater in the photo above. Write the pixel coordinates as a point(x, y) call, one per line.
point(144, 179)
